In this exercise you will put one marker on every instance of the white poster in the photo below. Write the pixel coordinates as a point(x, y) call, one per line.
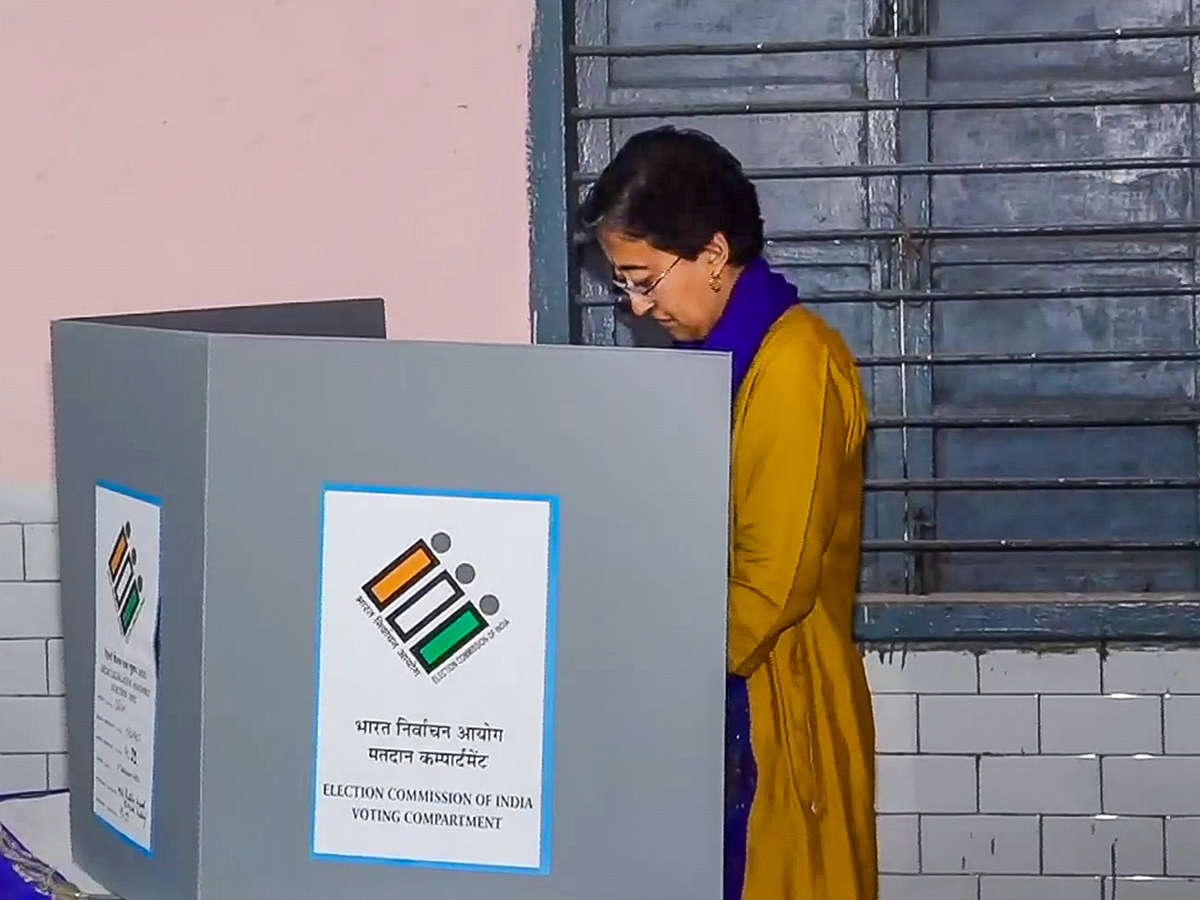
point(435, 679)
point(128, 534)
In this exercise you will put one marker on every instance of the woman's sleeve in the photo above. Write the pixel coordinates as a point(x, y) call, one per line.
point(786, 473)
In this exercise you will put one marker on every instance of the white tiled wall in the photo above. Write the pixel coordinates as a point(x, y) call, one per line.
point(32, 713)
point(1014, 775)
point(1007, 775)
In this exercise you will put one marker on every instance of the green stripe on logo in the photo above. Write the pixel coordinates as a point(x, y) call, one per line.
point(132, 603)
point(447, 640)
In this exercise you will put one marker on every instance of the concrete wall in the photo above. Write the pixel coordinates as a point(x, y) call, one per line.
point(164, 154)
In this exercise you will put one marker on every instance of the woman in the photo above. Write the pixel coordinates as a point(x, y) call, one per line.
point(680, 224)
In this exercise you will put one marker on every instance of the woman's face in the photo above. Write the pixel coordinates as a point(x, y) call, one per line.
point(675, 292)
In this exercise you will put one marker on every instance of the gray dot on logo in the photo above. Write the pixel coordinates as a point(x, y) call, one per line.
point(489, 605)
point(440, 542)
point(465, 573)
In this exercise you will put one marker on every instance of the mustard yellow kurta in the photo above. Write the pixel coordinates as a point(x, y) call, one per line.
point(796, 497)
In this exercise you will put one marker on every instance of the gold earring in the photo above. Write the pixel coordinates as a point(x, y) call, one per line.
point(714, 282)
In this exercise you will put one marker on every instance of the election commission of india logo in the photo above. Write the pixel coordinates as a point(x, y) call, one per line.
point(124, 580)
point(428, 609)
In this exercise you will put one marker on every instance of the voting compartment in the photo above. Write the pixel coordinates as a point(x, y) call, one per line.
point(350, 616)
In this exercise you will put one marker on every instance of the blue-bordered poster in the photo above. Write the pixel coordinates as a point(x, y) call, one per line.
point(435, 674)
point(128, 535)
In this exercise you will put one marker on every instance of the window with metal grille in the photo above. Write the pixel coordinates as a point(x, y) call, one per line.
point(995, 205)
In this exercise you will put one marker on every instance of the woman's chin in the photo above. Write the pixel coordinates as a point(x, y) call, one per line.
point(674, 329)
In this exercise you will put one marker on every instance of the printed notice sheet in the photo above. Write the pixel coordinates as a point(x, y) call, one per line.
point(128, 529)
point(435, 669)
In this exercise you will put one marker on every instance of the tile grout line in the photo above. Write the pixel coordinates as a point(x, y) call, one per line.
point(917, 719)
point(1162, 719)
point(1041, 844)
point(920, 844)
point(978, 786)
point(1039, 724)
point(1165, 865)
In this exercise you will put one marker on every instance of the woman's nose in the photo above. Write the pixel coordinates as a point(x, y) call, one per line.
point(640, 305)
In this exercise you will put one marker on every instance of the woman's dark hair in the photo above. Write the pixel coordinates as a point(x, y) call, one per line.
point(675, 189)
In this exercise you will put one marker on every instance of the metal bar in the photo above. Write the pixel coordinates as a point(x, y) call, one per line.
point(1170, 417)
point(944, 485)
point(1023, 544)
point(1099, 293)
point(1095, 229)
point(969, 233)
point(1148, 617)
point(915, 144)
point(1177, 252)
point(978, 359)
point(800, 173)
point(879, 203)
point(922, 42)
point(1194, 308)
point(767, 107)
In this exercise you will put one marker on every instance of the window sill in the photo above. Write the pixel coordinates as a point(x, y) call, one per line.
point(1041, 618)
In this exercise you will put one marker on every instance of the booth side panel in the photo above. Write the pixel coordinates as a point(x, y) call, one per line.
point(313, 318)
point(130, 413)
point(633, 446)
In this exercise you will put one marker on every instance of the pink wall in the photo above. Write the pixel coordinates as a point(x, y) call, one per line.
point(173, 153)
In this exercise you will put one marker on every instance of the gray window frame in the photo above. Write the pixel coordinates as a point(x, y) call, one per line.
point(880, 620)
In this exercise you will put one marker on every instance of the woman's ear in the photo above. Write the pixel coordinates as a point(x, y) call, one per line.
point(717, 252)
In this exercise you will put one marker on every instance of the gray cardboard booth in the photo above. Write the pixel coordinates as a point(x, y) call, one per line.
point(351, 617)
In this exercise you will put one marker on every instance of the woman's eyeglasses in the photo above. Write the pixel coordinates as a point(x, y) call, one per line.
point(641, 291)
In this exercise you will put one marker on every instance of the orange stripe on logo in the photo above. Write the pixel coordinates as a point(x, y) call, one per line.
point(401, 574)
point(118, 554)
